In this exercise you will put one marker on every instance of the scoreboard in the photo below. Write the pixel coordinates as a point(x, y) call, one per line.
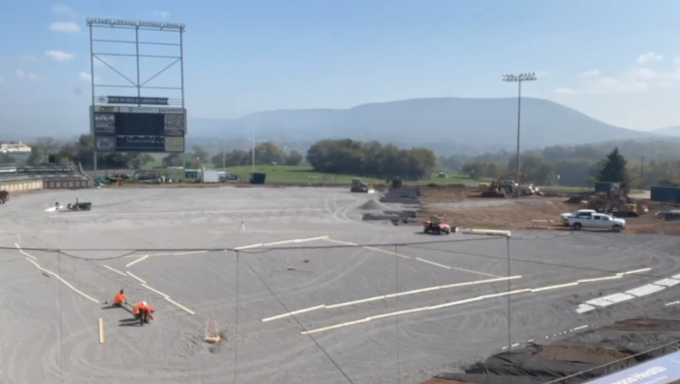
point(138, 129)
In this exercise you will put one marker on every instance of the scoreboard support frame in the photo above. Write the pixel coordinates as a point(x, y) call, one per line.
point(136, 26)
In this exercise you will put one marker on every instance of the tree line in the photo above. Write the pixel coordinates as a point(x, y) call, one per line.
point(328, 156)
point(373, 158)
point(652, 161)
point(648, 162)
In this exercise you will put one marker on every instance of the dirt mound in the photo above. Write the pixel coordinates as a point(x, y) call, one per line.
point(373, 205)
point(574, 200)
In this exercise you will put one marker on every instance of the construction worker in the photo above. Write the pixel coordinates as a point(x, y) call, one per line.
point(142, 312)
point(119, 299)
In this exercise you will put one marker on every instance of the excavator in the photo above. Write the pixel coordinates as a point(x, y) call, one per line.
point(360, 187)
point(504, 186)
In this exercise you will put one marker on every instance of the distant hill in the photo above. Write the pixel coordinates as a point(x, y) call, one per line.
point(443, 124)
point(670, 131)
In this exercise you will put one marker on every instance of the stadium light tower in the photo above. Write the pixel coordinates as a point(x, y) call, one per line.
point(519, 79)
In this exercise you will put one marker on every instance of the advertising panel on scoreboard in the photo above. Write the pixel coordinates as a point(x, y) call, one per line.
point(104, 124)
point(140, 109)
point(173, 124)
point(140, 143)
point(172, 110)
point(106, 108)
point(104, 143)
point(174, 144)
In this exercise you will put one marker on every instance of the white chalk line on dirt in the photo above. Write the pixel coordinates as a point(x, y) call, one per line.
point(414, 310)
point(446, 305)
point(136, 261)
point(165, 296)
point(114, 270)
point(167, 254)
point(283, 242)
point(66, 283)
point(417, 258)
point(24, 253)
point(257, 245)
point(391, 295)
point(531, 341)
point(135, 277)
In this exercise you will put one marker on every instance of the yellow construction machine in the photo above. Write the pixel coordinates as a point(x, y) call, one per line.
point(616, 203)
point(503, 186)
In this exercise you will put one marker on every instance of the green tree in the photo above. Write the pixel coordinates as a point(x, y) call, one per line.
point(613, 169)
point(294, 158)
point(352, 157)
point(6, 159)
point(268, 153)
point(200, 154)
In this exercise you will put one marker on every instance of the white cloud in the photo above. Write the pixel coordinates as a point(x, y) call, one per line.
point(644, 73)
point(649, 57)
point(60, 9)
point(86, 76)
point(29, 58)
point(607, 85)
point(638, 78)
point(591, 73)
point(161, 14)
point(566, 91)
point(58, 55)
point(65, 26)
point(29, 75)
point(676, 60)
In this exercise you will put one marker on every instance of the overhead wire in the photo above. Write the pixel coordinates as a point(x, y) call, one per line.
point(417, 245)
point(426, 246)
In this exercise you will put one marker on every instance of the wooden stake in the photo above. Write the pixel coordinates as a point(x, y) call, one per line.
point(101, 331)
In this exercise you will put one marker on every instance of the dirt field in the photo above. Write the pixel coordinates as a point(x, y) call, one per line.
point(464, 208)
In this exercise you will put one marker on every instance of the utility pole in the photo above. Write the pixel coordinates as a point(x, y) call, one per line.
point(642, 172)
point(252, 147)
point(519, 79)
point(224, 153)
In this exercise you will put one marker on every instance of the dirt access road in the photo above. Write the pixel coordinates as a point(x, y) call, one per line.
point(464, 208)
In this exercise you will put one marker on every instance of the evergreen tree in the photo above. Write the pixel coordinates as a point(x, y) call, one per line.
point(614, 169)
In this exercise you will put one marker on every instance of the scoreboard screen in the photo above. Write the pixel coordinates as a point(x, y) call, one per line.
point(138, 129)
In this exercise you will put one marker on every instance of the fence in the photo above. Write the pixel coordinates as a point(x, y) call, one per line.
point(304, 309)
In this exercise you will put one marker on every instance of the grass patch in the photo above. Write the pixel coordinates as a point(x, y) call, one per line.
point(306, 174)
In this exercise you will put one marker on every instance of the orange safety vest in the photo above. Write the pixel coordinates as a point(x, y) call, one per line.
point(120, 297)
point(136, 308)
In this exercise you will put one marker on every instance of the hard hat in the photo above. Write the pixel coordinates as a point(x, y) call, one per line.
point(143, 302)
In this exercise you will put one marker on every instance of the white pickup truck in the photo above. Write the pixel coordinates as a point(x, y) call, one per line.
point(596, 221)
point(581, 212)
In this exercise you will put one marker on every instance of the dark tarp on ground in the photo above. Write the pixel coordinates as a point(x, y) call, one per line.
point(489, 379)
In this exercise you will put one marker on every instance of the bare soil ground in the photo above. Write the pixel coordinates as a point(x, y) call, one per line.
point(464, 208)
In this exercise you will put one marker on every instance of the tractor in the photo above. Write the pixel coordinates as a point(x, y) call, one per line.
point(437, 225)
point(79, 206)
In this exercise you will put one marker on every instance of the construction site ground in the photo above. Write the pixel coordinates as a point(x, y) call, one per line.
point(463, 207)
point(302, 290)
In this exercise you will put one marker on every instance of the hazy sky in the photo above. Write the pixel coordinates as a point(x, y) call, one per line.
point(616, 60)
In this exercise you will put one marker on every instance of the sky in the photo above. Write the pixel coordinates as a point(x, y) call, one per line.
point(615, 60)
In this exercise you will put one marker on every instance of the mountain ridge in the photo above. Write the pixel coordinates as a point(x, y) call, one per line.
point(471, 124)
